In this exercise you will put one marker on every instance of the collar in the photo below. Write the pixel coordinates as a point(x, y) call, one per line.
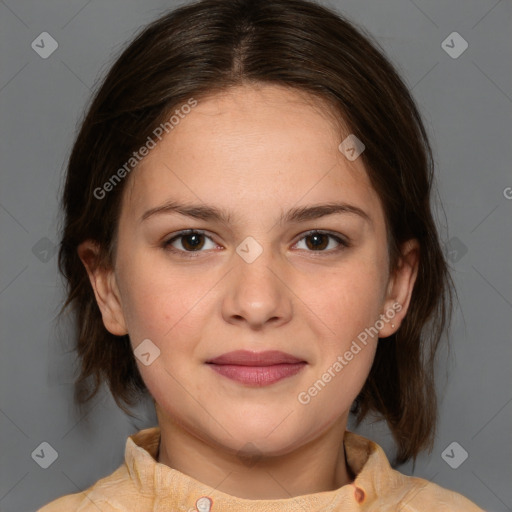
point(365, 458)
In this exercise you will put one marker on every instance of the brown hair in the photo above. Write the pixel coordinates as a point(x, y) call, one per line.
point(207, 47)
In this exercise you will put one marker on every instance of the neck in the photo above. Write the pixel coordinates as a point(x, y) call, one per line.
point(316, 466)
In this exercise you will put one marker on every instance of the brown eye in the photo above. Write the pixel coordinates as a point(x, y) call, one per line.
point(188, 241)
point(192, 242)
point(318, 241)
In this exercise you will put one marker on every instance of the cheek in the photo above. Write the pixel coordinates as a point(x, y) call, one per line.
point(155, 300)
point(350, 300)
point(346, 351)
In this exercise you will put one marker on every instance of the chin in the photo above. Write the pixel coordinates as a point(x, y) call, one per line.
point(249, 440)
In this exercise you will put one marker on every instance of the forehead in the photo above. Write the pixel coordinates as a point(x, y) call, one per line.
point(252, 147)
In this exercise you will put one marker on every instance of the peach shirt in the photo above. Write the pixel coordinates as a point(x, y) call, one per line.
point(144, 485)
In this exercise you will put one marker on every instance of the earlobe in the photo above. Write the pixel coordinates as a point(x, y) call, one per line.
point(400, 287)
point(103, 282)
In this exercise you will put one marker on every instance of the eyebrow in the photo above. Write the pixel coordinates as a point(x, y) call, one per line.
point(294, 215)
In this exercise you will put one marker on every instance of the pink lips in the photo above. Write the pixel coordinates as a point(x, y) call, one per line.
point(256, 368)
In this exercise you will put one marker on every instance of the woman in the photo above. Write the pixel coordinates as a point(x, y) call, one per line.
point(248, 238)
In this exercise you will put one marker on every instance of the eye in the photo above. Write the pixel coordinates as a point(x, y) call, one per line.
point(190, 240)
point(193, 241)
point(318, 241)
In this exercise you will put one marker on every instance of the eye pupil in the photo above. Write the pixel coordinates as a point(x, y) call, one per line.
point(196, 241)
point(316, 237)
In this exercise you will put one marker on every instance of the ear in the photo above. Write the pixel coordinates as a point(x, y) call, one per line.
point(400, 286)
point(106, 291)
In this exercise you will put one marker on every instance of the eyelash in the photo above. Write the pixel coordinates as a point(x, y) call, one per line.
point(344, 244)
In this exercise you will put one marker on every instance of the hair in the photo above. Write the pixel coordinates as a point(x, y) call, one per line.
point(205, 48)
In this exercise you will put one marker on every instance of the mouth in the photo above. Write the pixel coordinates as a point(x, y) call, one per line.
point(256, 368)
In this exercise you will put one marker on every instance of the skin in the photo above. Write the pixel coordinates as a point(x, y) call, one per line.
point(255, 151)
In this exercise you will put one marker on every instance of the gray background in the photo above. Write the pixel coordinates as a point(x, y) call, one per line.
point(467, 106)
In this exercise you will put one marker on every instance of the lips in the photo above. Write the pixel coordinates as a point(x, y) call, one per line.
point(256, 368)
point(247, 358)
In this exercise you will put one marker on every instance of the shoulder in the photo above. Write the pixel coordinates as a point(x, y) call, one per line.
point(412, 494)
point(385, 489)
point(97, 497)
point(129, 487)
point(70, 503)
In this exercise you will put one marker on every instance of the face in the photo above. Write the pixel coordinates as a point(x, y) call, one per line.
point(266, 267)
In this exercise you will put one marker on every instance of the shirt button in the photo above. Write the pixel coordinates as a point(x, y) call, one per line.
point(359, 495)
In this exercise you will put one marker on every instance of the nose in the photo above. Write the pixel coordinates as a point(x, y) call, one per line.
point(257, 293)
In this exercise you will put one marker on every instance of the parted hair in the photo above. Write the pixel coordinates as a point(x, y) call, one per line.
point(206, 47)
